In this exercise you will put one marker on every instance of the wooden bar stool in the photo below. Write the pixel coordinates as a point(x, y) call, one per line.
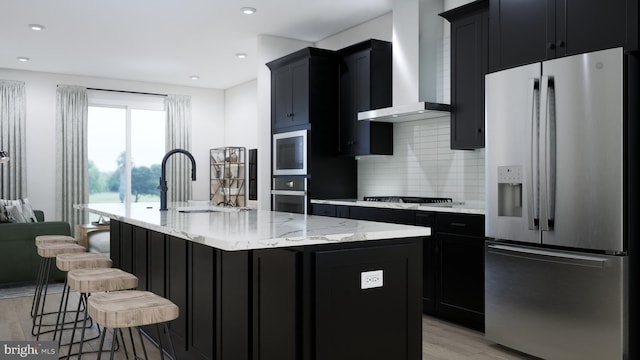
point(87, 281)
point(132, 308)
point(47, 239)
point(72, 261)
point(48, 251)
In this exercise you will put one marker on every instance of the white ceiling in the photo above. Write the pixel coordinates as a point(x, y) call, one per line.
point(165, 41)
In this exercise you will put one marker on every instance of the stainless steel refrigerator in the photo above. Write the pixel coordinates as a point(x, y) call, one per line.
point(556, 275)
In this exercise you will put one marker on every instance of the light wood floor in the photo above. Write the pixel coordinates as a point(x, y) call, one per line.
point(440, 340)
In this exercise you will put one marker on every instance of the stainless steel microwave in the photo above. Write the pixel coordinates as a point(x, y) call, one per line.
point(290, 153)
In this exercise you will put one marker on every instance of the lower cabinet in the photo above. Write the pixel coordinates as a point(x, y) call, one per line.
point(452, 258)
point(328, 302)
point(457, 269)
point(359, 290)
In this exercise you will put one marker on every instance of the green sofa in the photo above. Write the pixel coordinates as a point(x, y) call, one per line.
point(19, 260)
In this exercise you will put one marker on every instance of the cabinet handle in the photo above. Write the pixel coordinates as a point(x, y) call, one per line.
point(479, 130)
point(561, 43)
point(551, 46)
point(455, 224)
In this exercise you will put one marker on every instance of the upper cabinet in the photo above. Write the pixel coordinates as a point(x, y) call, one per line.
point(469, 64)
point(525, 31)
point(365, 84)
point(295, 103)
point(291, 84)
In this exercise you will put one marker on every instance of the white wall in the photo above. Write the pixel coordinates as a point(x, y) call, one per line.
point(207, 127)
point(241, 115)
point(378, 28)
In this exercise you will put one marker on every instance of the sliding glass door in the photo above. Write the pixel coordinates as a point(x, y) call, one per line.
point(125, 148)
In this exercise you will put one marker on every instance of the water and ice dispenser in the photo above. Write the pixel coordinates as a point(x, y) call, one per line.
point(510, 191)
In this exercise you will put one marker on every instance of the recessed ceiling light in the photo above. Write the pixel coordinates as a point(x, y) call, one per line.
point(248, 10)
point(241, 55)
point(36, 27)
point(194, 77)
point(23, 58)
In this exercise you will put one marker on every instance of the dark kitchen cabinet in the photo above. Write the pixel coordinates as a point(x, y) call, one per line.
point(526, 31)
point(305, 96)
point(452, 258)
point(396, 216)
point(341, 211)
point(460, 282)
point(352, 306)
point(365, 84)
point(177, 291)
point(469, 64)
point(303, 89)
point(453, 267)
point(291, 105)
point(200, 280)
point(323, 210)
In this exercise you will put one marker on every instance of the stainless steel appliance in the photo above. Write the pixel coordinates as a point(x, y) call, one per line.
point(410, 199)
point(289, 194)
point(556, 276)
point(290, 153)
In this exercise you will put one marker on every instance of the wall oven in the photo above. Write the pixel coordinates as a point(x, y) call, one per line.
point(290, 153)
point(289, 194)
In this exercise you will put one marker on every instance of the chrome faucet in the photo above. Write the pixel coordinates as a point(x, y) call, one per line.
point(163, 179)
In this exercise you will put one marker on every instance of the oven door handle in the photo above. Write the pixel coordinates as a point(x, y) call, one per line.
point(289, 192)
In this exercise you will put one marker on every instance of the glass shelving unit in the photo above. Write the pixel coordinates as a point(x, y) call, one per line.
point(228, 175)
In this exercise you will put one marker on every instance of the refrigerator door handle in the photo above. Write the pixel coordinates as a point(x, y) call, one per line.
point(542, 153)
point(533, 176)
point(550, 159)
point(546, 255)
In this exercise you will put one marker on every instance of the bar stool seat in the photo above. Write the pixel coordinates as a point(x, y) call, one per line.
point(132, 308)
point(84, 260)
point(44, 239)
point(97, 280)
point(51, 250)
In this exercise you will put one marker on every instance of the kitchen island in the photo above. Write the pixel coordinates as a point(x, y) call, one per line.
point(254, 284)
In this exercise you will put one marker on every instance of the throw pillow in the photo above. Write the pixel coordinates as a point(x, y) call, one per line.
point(27, 211)
point(4, 217)
point(15, 214)
point(21, 211)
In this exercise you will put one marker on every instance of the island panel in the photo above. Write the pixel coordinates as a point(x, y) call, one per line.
point(268, 303)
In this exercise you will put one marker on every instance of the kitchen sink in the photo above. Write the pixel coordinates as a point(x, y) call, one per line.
point(209, 209)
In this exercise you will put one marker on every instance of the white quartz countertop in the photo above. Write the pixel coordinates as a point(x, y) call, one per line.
point(233, 229)
point(460, 208)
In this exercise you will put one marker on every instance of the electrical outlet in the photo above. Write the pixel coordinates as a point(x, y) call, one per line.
point(371, 279)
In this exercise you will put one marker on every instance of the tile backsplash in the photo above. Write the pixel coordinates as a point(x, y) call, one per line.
point(423, 165)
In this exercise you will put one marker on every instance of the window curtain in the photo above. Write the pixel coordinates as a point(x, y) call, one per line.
point(72, 111)
point(178, 136)
point(13, 105)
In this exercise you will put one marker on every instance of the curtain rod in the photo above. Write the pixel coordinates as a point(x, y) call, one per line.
point(128, 92)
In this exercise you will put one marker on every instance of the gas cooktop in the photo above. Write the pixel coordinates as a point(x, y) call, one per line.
point(410, 199)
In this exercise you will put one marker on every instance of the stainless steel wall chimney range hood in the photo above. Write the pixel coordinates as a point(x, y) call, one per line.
point(417, 37)
point(408, 112)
